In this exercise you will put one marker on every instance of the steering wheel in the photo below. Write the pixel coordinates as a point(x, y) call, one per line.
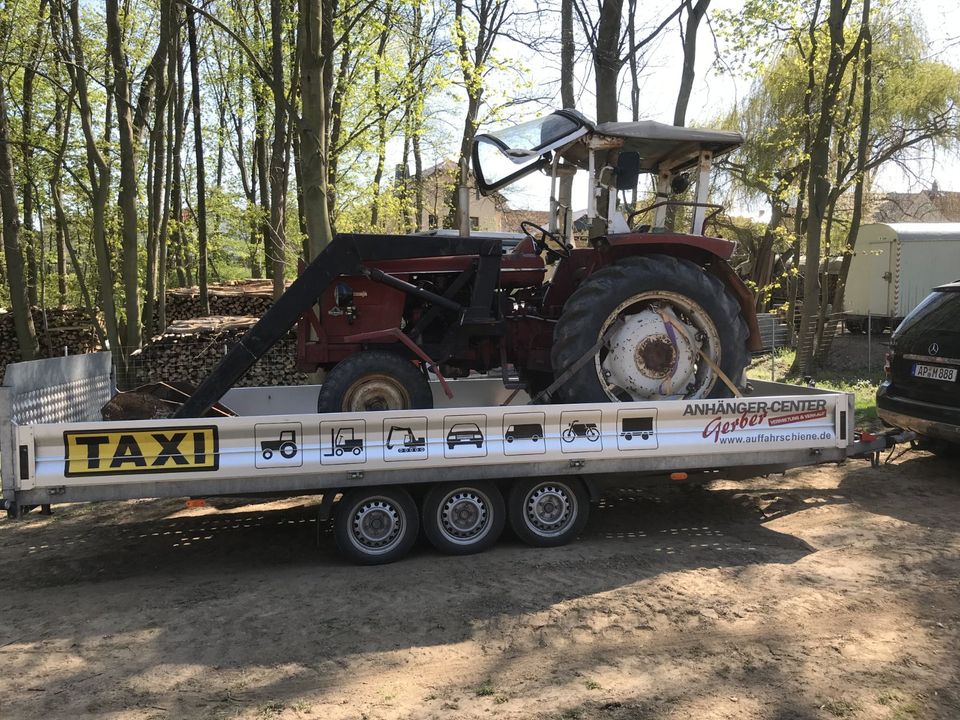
point(555, 245)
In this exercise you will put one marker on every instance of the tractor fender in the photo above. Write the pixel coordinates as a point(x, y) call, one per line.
point(708, 252)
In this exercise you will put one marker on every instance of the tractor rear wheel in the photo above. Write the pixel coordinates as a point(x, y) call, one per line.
point(660, 315)
point(374, 380)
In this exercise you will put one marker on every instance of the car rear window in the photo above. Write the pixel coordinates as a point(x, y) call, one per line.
point(938, 313)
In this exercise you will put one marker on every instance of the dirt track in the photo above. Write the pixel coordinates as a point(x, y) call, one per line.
point(829, 593)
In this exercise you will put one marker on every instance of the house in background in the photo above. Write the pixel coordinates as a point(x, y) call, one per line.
point(926, 206)
point(490, 213)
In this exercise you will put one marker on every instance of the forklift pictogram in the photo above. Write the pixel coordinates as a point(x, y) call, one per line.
point(286, 444)
point(411, 443)
point(343, 440)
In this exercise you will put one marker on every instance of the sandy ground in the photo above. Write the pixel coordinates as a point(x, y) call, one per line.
point(826, 593)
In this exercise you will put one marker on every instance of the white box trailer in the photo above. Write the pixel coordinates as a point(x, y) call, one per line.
point(895, 266)
point(472, 466)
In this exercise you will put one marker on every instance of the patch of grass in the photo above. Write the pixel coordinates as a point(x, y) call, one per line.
point(863, 388)
point(571, 714)
point(591, 684)
point(889, 698)
point(484, 689)
point(840, 708)
point(501, 699)
point(271, 708)
point(909, 711)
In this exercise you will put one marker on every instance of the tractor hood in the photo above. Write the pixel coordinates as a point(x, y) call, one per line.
point(503, 157)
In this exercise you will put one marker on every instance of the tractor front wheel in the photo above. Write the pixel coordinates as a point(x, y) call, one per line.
point(660, 316)
point(374, 380)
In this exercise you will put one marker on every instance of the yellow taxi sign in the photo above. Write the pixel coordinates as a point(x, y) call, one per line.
point(153, 450)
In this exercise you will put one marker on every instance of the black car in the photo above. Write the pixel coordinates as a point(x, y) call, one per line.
point(922, 389)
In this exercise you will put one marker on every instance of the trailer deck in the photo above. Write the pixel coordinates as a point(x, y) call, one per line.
point(55, 448)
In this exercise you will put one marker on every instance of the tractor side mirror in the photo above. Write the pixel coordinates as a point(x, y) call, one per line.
point(628, 170)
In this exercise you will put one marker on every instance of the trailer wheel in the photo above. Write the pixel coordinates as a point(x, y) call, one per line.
point(855, 327)
point(374, 380)
point(668, 309)
point(374, 526)
point(548, 513)
point(462, 519)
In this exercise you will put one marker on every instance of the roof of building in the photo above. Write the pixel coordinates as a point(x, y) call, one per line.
point(907, 232)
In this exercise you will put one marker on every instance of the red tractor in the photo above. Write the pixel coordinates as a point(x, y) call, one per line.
point(640, 314)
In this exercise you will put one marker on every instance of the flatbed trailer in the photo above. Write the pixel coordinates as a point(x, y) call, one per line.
point(402, 471)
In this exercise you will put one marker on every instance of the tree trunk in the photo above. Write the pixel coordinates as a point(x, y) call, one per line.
point(98, 171)
point(159, 187)
point(381, 114)
point(163, 235)
point(863, 142)
point(763, 264)
point(127, 199)
point(313, 129)
point(177, 239)
point(568, 99)
point(695, 14)
point(19, 302)
point(334, 121)
point(818, 189)
point(606, 60)
point(278, 171)
point(201, 171)
point(27, 237)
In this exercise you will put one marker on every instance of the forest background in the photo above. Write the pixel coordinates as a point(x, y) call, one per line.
point(151, 144)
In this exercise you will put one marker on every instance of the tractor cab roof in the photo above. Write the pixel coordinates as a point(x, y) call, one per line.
point(502, 157)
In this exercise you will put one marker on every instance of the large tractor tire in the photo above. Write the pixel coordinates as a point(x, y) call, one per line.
point(374, 380)
point(666, 310)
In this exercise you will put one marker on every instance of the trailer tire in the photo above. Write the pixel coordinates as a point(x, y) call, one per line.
point(651, 285)
point(548, 512)
point(855, 327)
point(463, 518)
point(374, 380)
point(375, 525)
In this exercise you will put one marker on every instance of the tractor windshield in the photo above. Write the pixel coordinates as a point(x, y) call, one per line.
point(501, 157)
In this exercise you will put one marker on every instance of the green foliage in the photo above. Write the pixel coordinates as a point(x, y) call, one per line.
point(914, 110)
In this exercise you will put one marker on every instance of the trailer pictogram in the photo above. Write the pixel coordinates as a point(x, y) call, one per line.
point(405, 439)
point(344, 440)
point(286, 444)
point(577, 429)
point(465, 436)
point(278, 445)
point(637, 430)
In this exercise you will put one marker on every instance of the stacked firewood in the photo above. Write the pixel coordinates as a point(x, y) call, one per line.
point(249, 298)
point(186, 350)
point(60, 331)
point(189, 349)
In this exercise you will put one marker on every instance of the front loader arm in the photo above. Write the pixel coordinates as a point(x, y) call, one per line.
point(345, 255)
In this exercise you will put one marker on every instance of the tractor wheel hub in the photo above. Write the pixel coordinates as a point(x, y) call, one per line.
point(649, 359)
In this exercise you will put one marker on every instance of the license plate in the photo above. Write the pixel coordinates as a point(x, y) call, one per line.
point(935, 372)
